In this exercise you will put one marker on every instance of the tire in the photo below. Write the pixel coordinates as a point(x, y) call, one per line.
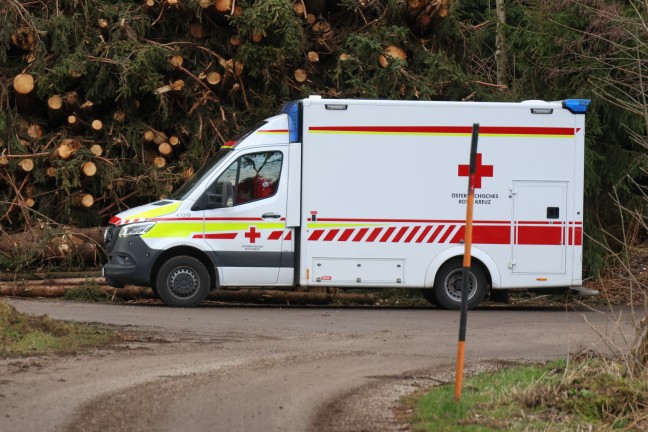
point(183, 281)
point(448, 285)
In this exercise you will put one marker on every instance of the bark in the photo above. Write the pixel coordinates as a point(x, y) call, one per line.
point(500, 45)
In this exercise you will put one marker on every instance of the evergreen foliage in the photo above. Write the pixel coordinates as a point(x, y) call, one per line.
point(562, 49)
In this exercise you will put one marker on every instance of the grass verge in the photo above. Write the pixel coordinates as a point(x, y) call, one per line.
point(23, 334)
point(591, 393)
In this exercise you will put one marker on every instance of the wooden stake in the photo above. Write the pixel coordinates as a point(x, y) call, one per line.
point(466, 266)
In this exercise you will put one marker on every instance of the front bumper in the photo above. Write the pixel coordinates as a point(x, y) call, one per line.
point(130, 261)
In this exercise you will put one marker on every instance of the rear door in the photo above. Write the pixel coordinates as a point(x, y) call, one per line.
point(539, 228)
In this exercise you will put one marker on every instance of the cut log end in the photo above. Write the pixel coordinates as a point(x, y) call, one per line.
point(96, 125)
point(55, 102)
point(223, 6)
point(26, 165)
point(23, 83)
point(159, 162)
point(300, 75)
point(89, 169)
point(96, 150)
point(391, 53)
point(82, 199)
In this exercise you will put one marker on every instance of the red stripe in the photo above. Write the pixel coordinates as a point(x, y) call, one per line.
point(171, 219)
point(275, 235)
point(400, 234)
point(315, 235)
point(485, 235)
point(331, 235)
point(446, 234)
point(346, 234)
point(412, 234)
point(288, 236)
point(424, 233)
point(274, 130)
point(114, 220)
point(217, 236)
point(413, 221)
point(545, 235)
point(374, 234)
point(578, 236)
point(435, 233)
point(499, 130)
point(387, 234)
point(360, 234)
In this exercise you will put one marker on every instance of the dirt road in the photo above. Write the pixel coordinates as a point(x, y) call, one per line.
point(223, 368)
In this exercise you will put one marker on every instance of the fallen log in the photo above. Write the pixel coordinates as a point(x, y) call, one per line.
point(245, 296)
point(71, 275)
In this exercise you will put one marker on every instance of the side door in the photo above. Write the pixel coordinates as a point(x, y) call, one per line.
point(539, 228)
point(245, 219)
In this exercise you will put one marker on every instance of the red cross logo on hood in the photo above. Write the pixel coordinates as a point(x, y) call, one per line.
point(480, 171)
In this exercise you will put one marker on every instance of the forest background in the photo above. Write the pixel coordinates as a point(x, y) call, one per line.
point(108, 104)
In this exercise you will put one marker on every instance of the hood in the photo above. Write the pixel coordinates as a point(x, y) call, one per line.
point(145, 212)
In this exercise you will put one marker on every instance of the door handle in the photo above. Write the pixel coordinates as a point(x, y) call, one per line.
point(270, 216)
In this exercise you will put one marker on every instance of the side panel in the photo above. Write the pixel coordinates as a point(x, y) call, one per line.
point(386, 180)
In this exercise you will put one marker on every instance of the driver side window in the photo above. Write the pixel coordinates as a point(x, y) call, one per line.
point(250, 178)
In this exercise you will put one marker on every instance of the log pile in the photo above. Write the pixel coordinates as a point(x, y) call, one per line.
point(124, 115)
point(53, 288)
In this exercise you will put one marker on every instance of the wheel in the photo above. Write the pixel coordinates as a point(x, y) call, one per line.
point(448, 285)
point(183, 281)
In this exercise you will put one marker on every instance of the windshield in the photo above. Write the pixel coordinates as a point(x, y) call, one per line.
point(187, 188)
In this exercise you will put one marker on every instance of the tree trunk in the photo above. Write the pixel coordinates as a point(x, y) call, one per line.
point(500, 44)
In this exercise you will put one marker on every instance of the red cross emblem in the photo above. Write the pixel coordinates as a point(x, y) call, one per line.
point(252, 234)
point(480, 171)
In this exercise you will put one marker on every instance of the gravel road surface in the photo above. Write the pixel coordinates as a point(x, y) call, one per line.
point(227, 368)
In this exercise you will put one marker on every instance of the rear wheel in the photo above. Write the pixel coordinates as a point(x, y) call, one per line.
point(449, 281)
point(183, 281)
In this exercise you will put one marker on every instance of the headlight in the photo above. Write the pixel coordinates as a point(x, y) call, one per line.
point(136, 229)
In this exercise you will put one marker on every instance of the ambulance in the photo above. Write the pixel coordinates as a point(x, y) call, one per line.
point(370, 194)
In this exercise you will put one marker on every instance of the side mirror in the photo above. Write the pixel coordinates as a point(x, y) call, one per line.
point(222, 198)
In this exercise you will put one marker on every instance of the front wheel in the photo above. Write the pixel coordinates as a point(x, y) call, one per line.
point(183, 281)
point(449, 281)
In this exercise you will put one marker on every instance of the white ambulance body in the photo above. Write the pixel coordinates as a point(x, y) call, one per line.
point(370, 193)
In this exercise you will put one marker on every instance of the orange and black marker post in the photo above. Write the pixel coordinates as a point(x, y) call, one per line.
point(466, 265)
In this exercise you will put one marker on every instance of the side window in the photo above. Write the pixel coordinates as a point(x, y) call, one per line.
point(251, 177)
point(258, 176)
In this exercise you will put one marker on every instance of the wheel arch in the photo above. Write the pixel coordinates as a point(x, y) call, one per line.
point(192, 252)
point(478, 255)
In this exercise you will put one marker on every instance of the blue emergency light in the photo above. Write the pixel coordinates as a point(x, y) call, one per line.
point(576, 106)
point(292, 109)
